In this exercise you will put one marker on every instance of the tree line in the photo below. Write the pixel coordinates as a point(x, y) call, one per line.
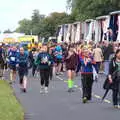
point(44, 26)
point(86, 9)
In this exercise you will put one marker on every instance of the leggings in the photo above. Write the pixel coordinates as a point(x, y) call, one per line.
point(44, 75)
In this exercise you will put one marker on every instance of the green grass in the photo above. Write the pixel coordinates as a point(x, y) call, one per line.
point(10, 109)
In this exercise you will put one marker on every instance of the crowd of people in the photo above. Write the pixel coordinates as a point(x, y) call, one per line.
point(88, 59)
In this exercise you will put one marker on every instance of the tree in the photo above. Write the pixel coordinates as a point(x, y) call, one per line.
point(36, 19)
point(84, 9)
point(7, 31)
point(44, 26)
point(24, 26)
point(50, 24)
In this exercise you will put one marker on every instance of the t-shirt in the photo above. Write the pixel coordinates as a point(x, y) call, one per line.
point(44, 60)
point(13, 57)
point(58, 52)
point(23, 60)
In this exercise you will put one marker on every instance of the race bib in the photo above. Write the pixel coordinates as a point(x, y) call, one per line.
point(44, 60)
point(13, 59)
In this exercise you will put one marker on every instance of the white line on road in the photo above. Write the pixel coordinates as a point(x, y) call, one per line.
point(96, 96)
point(59, 78)
point(107, 101)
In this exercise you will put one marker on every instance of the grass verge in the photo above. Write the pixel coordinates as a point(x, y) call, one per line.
point(10, 109)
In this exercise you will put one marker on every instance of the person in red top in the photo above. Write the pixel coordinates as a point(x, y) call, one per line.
point(71, 64)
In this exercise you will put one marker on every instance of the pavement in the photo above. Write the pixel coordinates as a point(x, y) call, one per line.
point(58, 104)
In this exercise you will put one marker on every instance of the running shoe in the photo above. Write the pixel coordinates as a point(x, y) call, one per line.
point(84, 100)
point(116, 106)
point(24, 90)
point(42, 89)
point(46, 89)
point(70, 90)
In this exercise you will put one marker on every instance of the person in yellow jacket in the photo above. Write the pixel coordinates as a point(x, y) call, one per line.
point(29, 47)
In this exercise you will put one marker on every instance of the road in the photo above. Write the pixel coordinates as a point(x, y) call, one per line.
point(58, 104)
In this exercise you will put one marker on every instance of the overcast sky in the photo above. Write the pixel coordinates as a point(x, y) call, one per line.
point(11, 11)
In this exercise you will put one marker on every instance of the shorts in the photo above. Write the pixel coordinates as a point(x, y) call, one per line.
point(58, 61)
point(21, 81)
point(22, 72)
point(72, 69)
point(13, 67)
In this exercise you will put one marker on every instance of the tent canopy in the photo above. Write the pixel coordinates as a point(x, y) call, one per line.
point(115, 12)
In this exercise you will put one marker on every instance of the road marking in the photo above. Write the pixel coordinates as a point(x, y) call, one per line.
point(65, 81)
point(94, 95)
point(97, 96)
point(80, 89)
point(76, 86)
point(59, 78)
point(107, 101)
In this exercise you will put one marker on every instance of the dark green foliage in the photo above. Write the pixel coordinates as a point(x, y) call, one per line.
point(43, 26)
point(84, 9)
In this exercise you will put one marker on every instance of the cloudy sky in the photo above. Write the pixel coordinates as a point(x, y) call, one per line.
point(11, 11)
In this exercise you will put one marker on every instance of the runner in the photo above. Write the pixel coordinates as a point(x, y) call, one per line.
point(12, 62)
point(44, 62)
point(23, 69)
point(32, 55)
point(58, 53)
point(71, 64)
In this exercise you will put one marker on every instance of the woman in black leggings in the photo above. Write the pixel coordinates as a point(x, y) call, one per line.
point(44, 61)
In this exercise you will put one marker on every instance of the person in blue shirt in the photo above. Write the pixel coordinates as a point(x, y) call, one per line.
point(58, 53)
point(23, 69)
point(87, 64)
point(12, 62)
point(44, 62)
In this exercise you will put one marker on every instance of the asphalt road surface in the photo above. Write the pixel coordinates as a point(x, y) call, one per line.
point(58, 104)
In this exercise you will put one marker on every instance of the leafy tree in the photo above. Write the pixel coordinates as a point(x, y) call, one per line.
point(36, 19)
point(24, 26)
point(44, 26)
point(7, 31)
point(84, 9)
point(50, 24)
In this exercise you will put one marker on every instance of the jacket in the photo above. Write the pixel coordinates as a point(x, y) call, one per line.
point(107, 51)
point(98, 55)
point(86, 69)
point(113, 71)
